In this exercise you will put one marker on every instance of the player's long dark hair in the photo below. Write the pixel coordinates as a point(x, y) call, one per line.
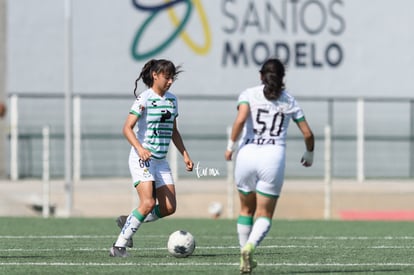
point(158, 66)
point(272, 73)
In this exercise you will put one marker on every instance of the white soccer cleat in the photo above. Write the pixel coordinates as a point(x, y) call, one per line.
point(117, 251)
point(246, 260)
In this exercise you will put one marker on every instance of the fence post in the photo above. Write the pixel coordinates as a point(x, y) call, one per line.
point(360, 140)
point(14, 138)
point(411, 157)
point(328, 173)
point(68, 86)
point(77, 135)
point(46, 172)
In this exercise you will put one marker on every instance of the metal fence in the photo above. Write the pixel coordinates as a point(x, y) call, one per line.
point(371, 137)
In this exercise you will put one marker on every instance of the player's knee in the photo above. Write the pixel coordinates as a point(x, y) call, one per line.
point(168, 210)
point(248, 210)
point(147, 205)
point(264, 213)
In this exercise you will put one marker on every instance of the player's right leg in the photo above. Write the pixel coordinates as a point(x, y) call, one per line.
point(264, 213)
point(132, 223)
point(135, 219)
point(120, 221)
point(152, 216)
point(142, 174)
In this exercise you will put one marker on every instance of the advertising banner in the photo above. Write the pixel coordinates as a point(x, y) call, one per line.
point(330, 47)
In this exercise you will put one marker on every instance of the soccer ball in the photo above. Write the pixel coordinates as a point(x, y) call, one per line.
point(214, 209)
point(181, 244)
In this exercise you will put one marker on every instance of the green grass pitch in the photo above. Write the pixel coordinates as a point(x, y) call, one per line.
point(80, 246)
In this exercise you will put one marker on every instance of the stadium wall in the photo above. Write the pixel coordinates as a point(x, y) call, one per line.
point(333, 49)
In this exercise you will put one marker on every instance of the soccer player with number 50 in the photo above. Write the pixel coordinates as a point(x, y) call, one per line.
point(264, 113)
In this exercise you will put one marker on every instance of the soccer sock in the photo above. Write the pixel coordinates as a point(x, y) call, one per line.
point(131, 226)
point(244, 227)
point(259, 231)
point(154, 215)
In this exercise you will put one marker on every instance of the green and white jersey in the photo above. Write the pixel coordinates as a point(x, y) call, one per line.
point(156, 121)
point(269, 120)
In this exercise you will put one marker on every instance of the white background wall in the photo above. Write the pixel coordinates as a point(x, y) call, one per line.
point(374, 36)
point(377, 61)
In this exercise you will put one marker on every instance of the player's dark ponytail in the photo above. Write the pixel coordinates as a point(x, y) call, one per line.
point(272, 73)
point(145, 75)
point(158, 66)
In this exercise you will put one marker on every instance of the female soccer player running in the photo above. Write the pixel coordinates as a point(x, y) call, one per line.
point(263, 115)
point(155, 111)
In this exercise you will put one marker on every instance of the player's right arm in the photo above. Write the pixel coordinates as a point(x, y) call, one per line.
point(128, 131)
point(242, 115)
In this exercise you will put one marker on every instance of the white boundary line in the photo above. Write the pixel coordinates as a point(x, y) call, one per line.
point(344, 238)
point(203, 247)
point(192, 263)
point(204, 264)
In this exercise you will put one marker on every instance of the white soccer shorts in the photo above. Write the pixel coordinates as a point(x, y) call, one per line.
point(157, 170)
point(260, 168)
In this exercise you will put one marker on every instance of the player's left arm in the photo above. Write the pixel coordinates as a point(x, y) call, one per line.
point(309, 140)
point(178, 142)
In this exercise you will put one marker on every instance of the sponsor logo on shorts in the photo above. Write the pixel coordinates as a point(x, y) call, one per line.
point(146, 173)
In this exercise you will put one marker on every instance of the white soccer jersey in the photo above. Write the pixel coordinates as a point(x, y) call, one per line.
point(260, 165)
point(156, 120)
point(269, 120)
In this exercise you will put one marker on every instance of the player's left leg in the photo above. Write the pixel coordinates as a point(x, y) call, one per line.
point(265, 208)
point(264, 212)
point(164, 192)
point(268, 188)
point(167, 202)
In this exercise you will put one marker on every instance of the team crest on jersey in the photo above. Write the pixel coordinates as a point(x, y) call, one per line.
point(170, 102)
point(146, 173)
point(141, 107)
